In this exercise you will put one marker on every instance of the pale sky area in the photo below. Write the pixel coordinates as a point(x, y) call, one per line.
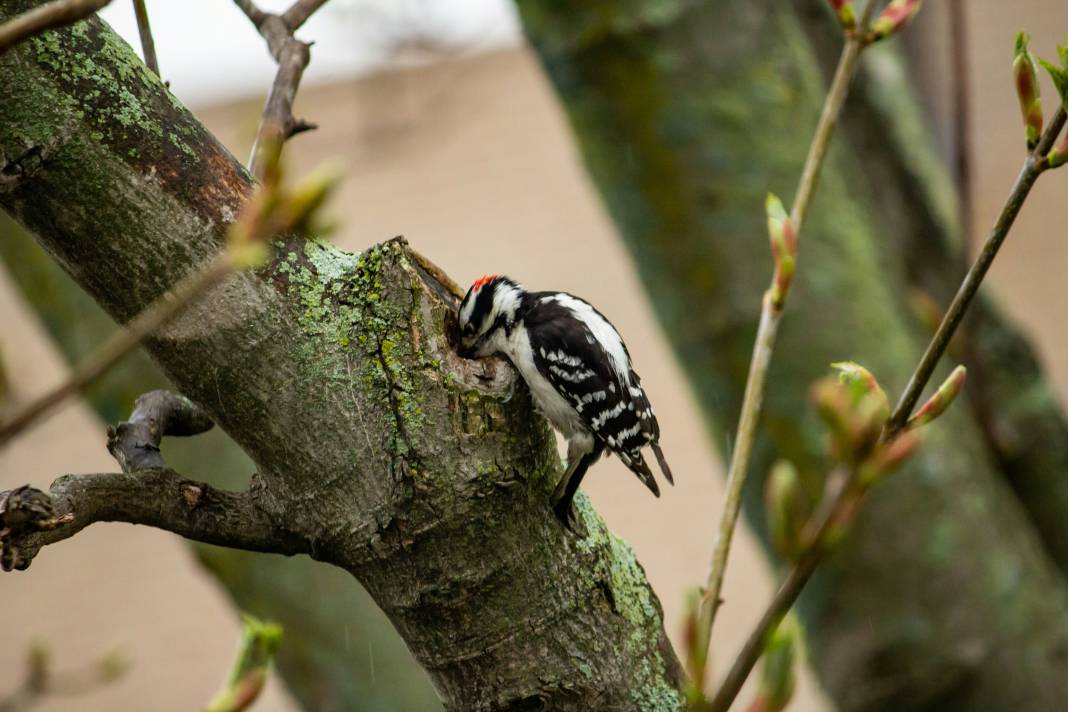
point(209, 51)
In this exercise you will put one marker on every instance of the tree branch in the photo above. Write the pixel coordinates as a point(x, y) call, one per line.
point(146, 492)
point(46, 17)
point(148, 45)
point(1034, 166)
point(827, 512)
point(300, 11)
point(377, 445)
point(292, 56)
point(770, 317)
point(837, 498)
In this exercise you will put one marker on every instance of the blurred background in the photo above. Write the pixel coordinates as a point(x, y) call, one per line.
point(451, 134)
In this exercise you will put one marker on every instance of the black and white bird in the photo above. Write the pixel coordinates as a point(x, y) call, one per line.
point(578, 371)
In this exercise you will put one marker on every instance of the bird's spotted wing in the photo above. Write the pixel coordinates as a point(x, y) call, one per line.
point(613, 406)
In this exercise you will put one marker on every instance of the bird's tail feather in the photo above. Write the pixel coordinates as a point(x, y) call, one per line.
point(639, 467)
point(663, 463)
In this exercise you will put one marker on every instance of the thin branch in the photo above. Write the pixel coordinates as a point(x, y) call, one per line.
point(292, 56)
point(832, 108)
point(255, 655)
point(46, 17)
point(962, 111)
point(158, 498)
point(256, 15)
point(1033, 167)
point(837, 496)
point(121, 343)
point(146, 492)
point(148, 45)
point(300, 11)
point(771, 315)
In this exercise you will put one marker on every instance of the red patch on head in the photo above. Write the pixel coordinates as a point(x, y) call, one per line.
point(481, 281)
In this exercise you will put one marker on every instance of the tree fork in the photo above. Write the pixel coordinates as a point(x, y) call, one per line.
point(416, 471)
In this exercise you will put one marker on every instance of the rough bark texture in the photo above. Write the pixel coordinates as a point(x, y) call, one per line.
point(341, 652)
point(423, 475)
point(687, 113)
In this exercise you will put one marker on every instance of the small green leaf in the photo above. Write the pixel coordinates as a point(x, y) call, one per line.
point(1060, 79)
point(778, 677)
point(1059, 74)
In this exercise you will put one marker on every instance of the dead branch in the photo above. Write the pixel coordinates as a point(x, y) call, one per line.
point(292, 56)
point(148, 45)
point(46, 17)
point(145, 492)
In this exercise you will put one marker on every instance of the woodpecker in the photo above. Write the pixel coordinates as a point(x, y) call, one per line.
point(577, 369)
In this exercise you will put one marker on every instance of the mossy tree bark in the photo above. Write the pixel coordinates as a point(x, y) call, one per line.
point(687, 113)
point(340, 652)
point(423, 475)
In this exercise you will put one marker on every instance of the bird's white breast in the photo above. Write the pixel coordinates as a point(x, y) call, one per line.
point(565, 418)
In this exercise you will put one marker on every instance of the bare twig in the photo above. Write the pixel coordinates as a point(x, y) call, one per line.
point(962, 111)
point(159, 498)
point(145, 492)
point(771, 314)
point(148, 45)
point(300, 11)
point(837, 496)
point(1033, 167)
point(46, 17)
point(255, 653)
point(292, 56)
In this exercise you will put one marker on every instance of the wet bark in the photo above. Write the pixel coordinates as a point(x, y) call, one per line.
point(341, 652)
point(945, 596)
point(423, 475)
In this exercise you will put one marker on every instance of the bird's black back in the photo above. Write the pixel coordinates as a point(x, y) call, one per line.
point(612, 405)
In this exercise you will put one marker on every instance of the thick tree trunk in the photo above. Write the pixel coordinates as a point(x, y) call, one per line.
point(423, 475)
point(341, 652)
point(687, 114)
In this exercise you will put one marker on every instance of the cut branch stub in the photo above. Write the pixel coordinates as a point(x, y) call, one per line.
point(135, 443)
point(24, 510)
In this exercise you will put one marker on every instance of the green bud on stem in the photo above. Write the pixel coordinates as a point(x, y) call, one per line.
point(893, 17)
point(1028, 91)
point(259, 643)
point(783, 249)
point(696, 650)
point(940, 401)
point(845, 12)
point(778, 677)
point(787, 510)
point(1058, 155)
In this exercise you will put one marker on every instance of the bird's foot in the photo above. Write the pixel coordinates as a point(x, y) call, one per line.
point(565, 514)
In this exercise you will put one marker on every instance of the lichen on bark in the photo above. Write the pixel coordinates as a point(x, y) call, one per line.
point(424, 475)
